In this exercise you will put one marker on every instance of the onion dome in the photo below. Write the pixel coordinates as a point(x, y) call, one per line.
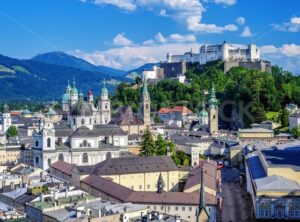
point(74, 89)
point(90, 92)
point(213, 102)
point(203, 112)
point(104, 89)
point(65, 98)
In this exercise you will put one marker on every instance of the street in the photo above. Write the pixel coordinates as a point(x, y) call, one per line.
point(235, 205)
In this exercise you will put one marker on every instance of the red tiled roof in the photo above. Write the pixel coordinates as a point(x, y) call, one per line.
point(63, 167)
point(175, 198)
point(181, 109)
point(125, 194)
point(109, 187)
point(210, 175)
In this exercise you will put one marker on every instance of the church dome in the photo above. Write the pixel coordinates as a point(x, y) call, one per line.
point(65, 98)
point(81, 108)
point(74, 90)
point(104, 91)
point(203, 113)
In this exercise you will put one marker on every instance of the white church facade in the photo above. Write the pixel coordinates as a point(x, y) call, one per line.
point(85, 137)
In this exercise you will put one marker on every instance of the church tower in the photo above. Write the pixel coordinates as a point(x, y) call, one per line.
point(66, 98)
point(74, 93)
point(104, 106)
point(6, 118)
point(213, 110)
point(203, 115)
point(146, 109)
point(90, 97)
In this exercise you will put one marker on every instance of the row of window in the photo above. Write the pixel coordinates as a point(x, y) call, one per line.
point(292, 213)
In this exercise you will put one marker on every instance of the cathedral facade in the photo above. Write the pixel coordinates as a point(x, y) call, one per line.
point(83, 137)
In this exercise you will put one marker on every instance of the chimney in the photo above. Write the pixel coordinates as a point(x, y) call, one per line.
point(67, 192)
point(42, 197)
point(149, 216)
point(160, 216)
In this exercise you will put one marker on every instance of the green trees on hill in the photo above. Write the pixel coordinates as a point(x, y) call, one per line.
point(245, 95)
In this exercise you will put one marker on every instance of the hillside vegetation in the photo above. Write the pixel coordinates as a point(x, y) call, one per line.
point(245, 95)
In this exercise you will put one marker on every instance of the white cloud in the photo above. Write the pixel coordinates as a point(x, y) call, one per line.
point(295, 20)
point(246, 32)
point(195, 25)
point(121, 40)
point(286, 56)
point(187, 11)
point(160, 38)
point(292, 26)
point(129, 57)
point(240, 20)
point(123, 4)
point(225, 2)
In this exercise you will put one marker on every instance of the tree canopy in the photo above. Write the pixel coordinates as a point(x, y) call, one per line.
point(245, 95)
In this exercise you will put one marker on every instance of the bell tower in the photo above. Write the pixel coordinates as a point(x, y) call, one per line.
point(213, 111)
point(146, 109)
point(104, 105)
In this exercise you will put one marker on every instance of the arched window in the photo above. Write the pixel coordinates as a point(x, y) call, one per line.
point(147, 106)
point(36, 143)
point(85, 158)
point(48, 142)
point(49, 162)
point(82, 121)
point(74, 121)
point(105, 105)
point(61, 157)
point(36, 160)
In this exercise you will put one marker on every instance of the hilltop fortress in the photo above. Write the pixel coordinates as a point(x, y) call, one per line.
point(232, 55)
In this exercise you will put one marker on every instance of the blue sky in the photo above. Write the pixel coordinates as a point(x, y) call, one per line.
point(127, 33)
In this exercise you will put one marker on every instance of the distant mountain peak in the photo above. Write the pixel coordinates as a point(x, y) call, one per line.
point(65, 59)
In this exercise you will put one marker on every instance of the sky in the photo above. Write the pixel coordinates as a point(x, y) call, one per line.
point(125, 34)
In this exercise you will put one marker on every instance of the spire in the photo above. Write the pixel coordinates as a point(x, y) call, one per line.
point(202, 214)
point(160, 184)
point(74, 83)
point(81, 96)
point(68, 86)
point(6, 108)
point(104, 90)
point(145, 87)
point(213, 102)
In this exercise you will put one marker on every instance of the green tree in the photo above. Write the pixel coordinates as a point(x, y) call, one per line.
point(295, 132)
point(285, 118)
point(12, 131)
point(160, 146)
point(186, 162)
point(148, 145)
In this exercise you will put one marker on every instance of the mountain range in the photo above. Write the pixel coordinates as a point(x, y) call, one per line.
point(45, 76)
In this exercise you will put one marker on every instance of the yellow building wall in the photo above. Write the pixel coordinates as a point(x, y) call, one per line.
point(12, 155)
point(255, 135)
point(148, 181)
point(2, 156)
point(288, 173)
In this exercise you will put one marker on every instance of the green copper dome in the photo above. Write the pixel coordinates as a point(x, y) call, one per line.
point(104, 89)
point(203, 113)
point(74, 90)
point(65, 98)
point(213, 102)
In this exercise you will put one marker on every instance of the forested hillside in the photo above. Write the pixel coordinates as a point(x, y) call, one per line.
point(245, 95)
